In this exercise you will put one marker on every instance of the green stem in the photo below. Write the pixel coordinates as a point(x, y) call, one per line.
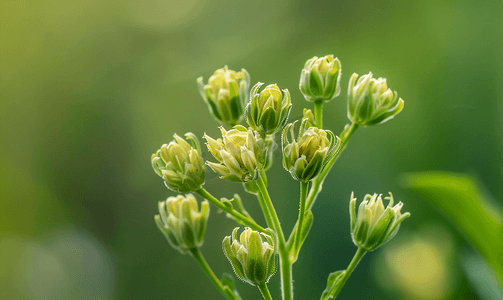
point(263, 205)
point(286, 266)
point(302, 211)
point(286, 275)
point(352, 265)
point(318, 182)
point(272, 212)
point(318, 113)
point(196, 253)
point(245, 220)
point(265, 291)
point(265, 211)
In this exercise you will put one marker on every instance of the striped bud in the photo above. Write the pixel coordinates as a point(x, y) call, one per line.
point(374, 225)
point(370, 101)
point(252, 256)
point(179, 163)
point(181, 222)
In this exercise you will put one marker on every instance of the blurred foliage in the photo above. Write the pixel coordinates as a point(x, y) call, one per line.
point(460, 198)
point(420, 265)
point(90, 89)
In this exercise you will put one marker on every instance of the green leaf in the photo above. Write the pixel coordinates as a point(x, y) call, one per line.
point(306, 226)
point(333, 280)
point(461, 199)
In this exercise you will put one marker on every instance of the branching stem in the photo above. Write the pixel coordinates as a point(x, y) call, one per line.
point(196, 253)
point(286, 266)
point(352, 265)
point(244, 219)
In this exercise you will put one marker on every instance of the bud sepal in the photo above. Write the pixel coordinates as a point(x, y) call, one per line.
point(226, 94)
point(252, 258)
point(320, 78)
point(182, 223)
point(370, 101)
point(241, 154)
point(268, 111)
point(180, 164)
point(306, 156)
point(374, 225)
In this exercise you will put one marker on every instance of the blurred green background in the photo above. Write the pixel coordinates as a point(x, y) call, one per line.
point(90, 89)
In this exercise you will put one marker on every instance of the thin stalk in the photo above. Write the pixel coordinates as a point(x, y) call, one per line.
point(264, 291)
point(263, 205)
point(352, 265)
point(196, 253)
point(205, 194)
point(318, 113)
point(265, 211)
point(271, 210)
point(286, 266)
point(302, 211)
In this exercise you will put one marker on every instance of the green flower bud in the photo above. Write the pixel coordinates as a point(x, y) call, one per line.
point(309, 116)
point(241, 154)
point(253, 260)
point(370, 101)
point(226, 94)
point(182, 223)
point(180, 165)
point(374, 225)
point(320, 78)
point(306, 157)
point(268, 111)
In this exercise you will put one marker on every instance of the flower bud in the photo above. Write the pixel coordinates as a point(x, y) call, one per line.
point(226, 94)
point(180, 165)
point(370, 101)
point(241, 154)
point(182, 223)
point(374, 225)
point(253, 260)
point(309, 116)
point(268, 111)
point(320, 78)
point(306, 157)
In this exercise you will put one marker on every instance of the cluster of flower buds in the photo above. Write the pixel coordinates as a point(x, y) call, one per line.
point(253, 260)
point(180, 165)
point(374, 225)
point(320, 78)
point(268, 111)
point(305, 157)
point(370, 101)
point(226, 94)
point(241, 153)
point(182, 223)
